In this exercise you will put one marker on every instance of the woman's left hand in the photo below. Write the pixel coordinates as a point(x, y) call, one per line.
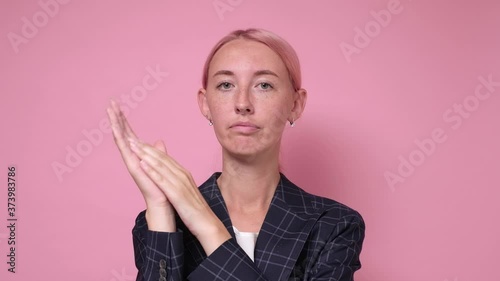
point(179, 187)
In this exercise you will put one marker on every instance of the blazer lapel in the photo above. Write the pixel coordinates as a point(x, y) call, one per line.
point(283, 234)
point(285, 230)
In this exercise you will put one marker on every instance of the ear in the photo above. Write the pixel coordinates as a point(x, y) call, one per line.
point(203, 104)
point(299, 103)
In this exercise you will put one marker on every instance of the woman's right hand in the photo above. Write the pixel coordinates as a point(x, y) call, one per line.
point(160, 214)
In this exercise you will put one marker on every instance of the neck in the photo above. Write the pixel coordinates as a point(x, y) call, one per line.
point(249, 184)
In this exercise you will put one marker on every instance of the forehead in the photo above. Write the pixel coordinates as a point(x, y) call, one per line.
point(246, 55)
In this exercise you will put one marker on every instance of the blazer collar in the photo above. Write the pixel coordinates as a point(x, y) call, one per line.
point(287, 224)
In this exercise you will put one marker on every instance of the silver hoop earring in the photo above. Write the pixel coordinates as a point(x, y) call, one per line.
point(292, 124)
point(210, 123)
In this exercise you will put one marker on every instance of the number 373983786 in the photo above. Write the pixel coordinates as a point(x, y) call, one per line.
point(11, 191)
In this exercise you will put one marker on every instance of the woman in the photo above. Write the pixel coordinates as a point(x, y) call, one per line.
point(248, 222)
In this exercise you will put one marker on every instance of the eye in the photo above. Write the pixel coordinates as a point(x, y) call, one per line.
point(224, 86)
point(265, 86)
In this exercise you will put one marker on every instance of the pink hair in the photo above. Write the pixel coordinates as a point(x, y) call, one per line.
point(281, 47)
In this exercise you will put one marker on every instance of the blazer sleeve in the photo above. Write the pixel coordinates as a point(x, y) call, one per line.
point(158, 255)
point(161, 254)
point(339, 259)
point(229, 263)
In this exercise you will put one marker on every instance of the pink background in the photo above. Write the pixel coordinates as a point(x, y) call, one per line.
point(364, 114)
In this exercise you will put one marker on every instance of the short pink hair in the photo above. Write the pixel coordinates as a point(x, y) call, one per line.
point(281, 47)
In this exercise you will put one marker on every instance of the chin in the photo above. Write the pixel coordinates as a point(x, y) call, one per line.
point(243, 152)
point(246, 147)
point(247, 151)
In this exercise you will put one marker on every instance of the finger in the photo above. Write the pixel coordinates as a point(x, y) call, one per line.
point(179, 188)
point(174, 181)
point(128, 129)
point(122, 121)
point(114, 113)
point(116, 129)
point(121, 142)
point(159, 171)
point(162, 169)
point(115, 126)
point(147, 186)
point(115, 107)
point(153, 156)
point(157, 177)
point(143, 181)
point(167, 169)
point(160, 145)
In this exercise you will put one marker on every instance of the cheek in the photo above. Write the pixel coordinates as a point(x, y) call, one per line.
point(279, 112)
point(216, 107)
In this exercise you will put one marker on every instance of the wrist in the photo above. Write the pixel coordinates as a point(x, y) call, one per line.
point(213, 238)
point(160, 219)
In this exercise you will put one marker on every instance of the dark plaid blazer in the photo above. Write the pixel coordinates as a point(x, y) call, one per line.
point(303, 237)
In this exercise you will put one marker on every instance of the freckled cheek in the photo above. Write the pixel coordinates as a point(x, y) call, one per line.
point(220, 111)
point(278, 115)
point(275, 119)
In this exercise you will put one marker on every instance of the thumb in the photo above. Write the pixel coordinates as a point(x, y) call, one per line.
point(160, 145)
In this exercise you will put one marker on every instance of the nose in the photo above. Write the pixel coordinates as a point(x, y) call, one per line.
point(243, 104)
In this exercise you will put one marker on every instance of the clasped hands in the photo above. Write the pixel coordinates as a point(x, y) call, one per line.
point(166, 186)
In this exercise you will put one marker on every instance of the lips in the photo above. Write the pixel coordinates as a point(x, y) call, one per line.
point(244, 124)
point(244, 127)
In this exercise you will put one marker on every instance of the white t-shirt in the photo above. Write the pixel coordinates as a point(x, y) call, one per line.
point(246, 240)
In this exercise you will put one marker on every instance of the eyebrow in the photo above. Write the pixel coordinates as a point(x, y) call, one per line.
point(257, 73)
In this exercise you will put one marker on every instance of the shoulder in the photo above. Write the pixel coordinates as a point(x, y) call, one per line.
point(334, 226)
point(328, 209)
